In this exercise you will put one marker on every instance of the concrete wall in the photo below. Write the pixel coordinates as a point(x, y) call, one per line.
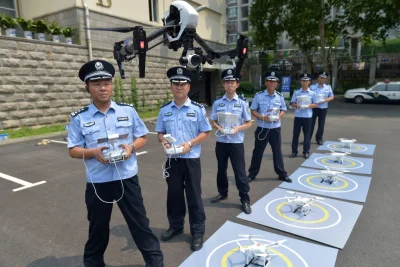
point(39, 83)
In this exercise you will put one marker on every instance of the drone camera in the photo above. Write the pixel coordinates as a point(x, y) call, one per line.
point(191, 60)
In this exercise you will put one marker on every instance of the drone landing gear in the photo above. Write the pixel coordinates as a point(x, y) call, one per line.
point(295, 210)
point(253, 261)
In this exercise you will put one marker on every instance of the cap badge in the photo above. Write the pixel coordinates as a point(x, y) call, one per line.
point(179, 71)
point(273, 73)
point(98, 66)
point(305, 75)
point(229, 72)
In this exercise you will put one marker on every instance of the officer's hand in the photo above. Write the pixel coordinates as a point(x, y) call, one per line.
point(266, 117)
point(99, 154)
point(128, 149)
point(219, 128)
point(186, 148)
point(166, 145)
point(235, 130)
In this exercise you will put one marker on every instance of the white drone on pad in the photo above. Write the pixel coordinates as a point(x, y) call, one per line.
point(347, 142)
point(258, 253)
point(332, 176)
point(339, 156)
point(302, 203)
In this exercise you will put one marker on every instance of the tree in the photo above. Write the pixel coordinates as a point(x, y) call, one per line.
point(306, 21)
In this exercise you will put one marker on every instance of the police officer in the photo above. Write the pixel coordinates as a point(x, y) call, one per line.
point(231, 145)
point(268, 130)
point(107, 182)
point(304, 101)
point(186, 121)
point(324, 95)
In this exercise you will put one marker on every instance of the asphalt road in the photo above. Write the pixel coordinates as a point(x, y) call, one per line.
point(46, 225)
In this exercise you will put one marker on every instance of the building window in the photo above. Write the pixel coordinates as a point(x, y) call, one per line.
point(8, 7)
point(153, 10)
point(232, 2)
point(232, 38)
point(245, 11)
point(245, 26)
point(232, 12)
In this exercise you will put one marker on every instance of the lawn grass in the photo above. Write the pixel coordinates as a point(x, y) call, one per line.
point(27, 131)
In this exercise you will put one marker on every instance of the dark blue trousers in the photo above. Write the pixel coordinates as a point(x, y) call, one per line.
point(234, 152)
point(185, 177)
point(133, 210)
point(305, 124)
point(274, 139)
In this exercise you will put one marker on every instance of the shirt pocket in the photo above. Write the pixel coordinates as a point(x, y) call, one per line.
point(264, 106)
point(169, 124)
point(190, 124)
point(123, 127)
point(91, 134)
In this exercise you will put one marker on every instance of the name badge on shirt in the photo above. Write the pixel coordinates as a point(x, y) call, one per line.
point(237, 106)
point(221, 104)
point(278, 102)
point(326, 90)
point(168, 114)
point(89, 124)
point(122, 118)
point(191, 114)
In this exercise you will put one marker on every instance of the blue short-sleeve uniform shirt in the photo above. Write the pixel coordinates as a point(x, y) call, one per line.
point(88, 125)
point(184, 124)
point(237, 105)
point(263, 103)
point(310, 99)
point(325, 91)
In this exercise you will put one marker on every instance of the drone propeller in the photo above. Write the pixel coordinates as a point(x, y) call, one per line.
point(319, 198)
point(128, 29)
point(249, 235)
point(347, 139)
point(291, 192)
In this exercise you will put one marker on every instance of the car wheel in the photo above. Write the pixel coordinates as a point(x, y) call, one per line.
point(358, 99)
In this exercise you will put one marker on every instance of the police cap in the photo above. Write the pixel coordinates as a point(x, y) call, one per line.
point(323, 74)
point(229, 75)
point(96, 70)
point(272, 76)
point(180, 74)
point(305, 77)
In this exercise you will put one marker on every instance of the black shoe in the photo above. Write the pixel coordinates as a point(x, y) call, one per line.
point(197, 243)
point(320, 142)
point(246, 207)
point(170, 233)
point(285, 179)
point(250, 178)
point(293, 155)
point(218, 198)
point(306, 155)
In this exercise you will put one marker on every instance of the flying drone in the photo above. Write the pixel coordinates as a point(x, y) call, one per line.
point(258, 253)
point(302, 203)
point(179, 30)
point(339, 156)
point(347, 142)
point(332, 176)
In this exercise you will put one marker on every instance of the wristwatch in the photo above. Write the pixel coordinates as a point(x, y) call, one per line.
point(190, 144)
point(133, 149)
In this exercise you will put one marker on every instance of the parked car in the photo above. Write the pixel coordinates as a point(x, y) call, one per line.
point(382, 91)
point(281, 64)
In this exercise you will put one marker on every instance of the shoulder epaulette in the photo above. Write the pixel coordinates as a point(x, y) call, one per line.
point(244, 99)
point(259, 92)
point(79, 111)
point(124, 104)
point(197, 104)
point(219, 97)
point(279, 93)
point(166, 104)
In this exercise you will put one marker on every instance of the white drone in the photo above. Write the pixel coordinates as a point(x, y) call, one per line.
point(258, 253)
point(347, 142)
point(332, 176)
point(339, 156)
point(302, 203)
